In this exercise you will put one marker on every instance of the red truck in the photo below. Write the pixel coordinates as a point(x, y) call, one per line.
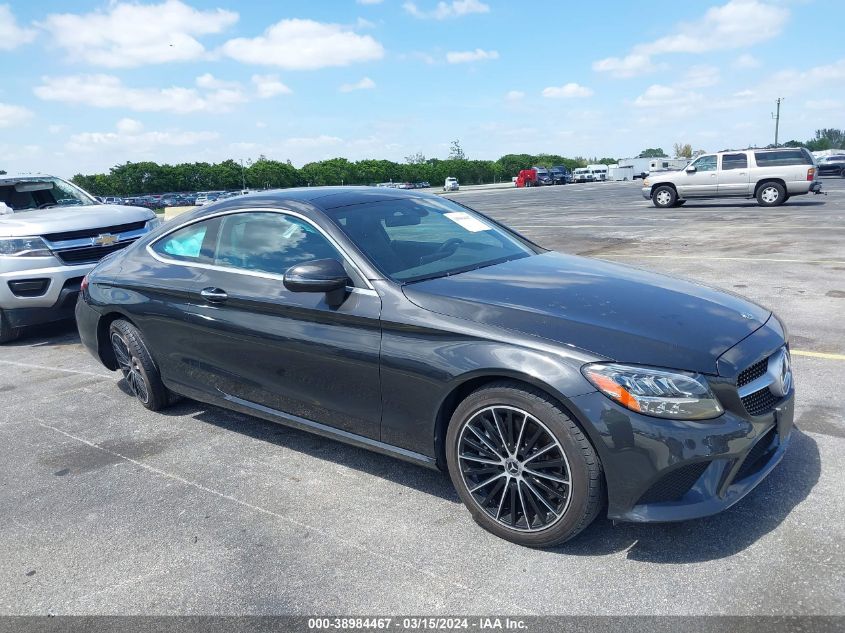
point(527, 178)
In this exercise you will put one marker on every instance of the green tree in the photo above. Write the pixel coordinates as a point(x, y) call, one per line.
point(652, 152)
point(683, 150)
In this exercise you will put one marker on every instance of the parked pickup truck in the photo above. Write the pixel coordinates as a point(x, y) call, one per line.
point(51, 234)
point(771, 176)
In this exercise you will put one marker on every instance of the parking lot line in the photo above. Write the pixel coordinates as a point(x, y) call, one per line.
point(61, 369)
point(824, 355)
point(838, 262)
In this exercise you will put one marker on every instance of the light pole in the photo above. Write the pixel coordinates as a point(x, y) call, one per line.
point(776, 117)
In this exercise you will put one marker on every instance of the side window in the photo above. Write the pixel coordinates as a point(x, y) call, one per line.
point(269, 243)
point(782, 158)
point(191, 243)
point(705, 163)
point(734, 161)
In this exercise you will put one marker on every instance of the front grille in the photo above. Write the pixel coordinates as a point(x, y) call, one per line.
point(758, 456)
point(75, 235)
point(89, 254)
point(760, 402)
point(674, 485)
point(750, 374)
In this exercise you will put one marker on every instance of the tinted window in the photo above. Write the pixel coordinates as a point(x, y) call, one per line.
point(187, 243)
point(782, 157)
point(734, 161)
point(420, 238)
point(705, 163)
point(269, 242)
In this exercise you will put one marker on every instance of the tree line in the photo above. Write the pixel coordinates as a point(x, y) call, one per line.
point(264, 173)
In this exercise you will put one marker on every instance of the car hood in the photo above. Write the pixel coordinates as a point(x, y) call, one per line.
point(70, 218)
point(617, 312)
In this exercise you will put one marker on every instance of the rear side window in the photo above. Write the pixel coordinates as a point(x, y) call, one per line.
point(192, 243)
point(784, 157)
point(269, 243)
point(734, 161)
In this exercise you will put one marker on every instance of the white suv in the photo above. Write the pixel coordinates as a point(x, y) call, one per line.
point(770, 175)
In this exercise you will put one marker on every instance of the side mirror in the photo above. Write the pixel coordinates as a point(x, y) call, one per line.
point(321, 275)
point(690, 169)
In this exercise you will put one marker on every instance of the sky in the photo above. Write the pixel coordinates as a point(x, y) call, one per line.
point(88, 85)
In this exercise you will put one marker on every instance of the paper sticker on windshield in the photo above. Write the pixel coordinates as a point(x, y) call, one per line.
point(471, 224)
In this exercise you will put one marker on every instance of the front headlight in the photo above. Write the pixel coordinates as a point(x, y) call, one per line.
point(23, 247)
point(656, 392)
point(154, 223)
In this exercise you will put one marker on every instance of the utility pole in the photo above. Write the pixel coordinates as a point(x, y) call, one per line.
point(776, 117)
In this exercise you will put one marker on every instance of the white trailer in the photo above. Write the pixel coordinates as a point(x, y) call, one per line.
point(620, 172)
point(673, 164)
point(641, 165)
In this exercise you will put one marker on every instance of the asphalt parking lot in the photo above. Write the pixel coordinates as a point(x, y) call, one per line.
point(106, 508)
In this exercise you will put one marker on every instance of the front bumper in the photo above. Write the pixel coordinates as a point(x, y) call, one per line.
point(667, 470)
point(55, 303)
point(646, 193)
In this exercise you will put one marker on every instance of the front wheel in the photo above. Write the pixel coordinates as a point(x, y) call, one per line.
point(664, 197)
point(7, 332)
point(523, 468)
point(771, 194)
point(136, 364)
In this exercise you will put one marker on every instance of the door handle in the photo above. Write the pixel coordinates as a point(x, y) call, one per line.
point(214, 295)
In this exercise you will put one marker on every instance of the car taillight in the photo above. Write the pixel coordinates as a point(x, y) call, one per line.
point(811, 173)
point(84, 285)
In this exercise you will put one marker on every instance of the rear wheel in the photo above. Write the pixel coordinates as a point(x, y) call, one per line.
point(771, 194)
point(664, 197)
point(136, 364)
point(7, 332)
point(523, 468)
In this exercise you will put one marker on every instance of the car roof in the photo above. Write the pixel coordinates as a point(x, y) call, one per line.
point(323, 198)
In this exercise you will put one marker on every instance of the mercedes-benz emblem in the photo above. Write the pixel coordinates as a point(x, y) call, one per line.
point(780, 367)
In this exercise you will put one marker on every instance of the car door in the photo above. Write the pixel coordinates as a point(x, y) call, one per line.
point(239, 334)
point(700, 182)
point(733, 175)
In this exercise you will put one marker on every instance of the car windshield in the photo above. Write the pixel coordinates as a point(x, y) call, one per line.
point(421, 238)
point(27, 194)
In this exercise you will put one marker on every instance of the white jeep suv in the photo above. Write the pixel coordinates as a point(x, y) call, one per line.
point(770, 175)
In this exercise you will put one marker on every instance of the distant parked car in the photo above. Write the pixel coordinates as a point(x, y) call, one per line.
point(112, 200)
point(451, 184)
point(769, 175)
point(832, 165)
point(422, 185)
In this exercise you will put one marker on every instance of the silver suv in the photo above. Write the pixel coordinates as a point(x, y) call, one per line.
point(770, 175)
point(51, 234)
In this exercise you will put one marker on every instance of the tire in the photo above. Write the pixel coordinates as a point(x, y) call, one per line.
point(680, 203)
point(771, 194)
point(664, 197)
point(139, 371)
point(7, 332)
point(534, 507)
point(842, 173)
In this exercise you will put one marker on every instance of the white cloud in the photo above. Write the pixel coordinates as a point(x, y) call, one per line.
point(304, 45)
point(269, 86)
point(130, 134)
point(11, 115)
point(567, 91)
point(445, 10)
point(746, 61)
point(129, 34)
point(365, 84)
point(514, 95)
point(700, 77)
point(658, 95)
point(211, 82)
point(129, 126)
point(12, 35)
point(736, 24)
point(108, 91)
point(465, 57)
